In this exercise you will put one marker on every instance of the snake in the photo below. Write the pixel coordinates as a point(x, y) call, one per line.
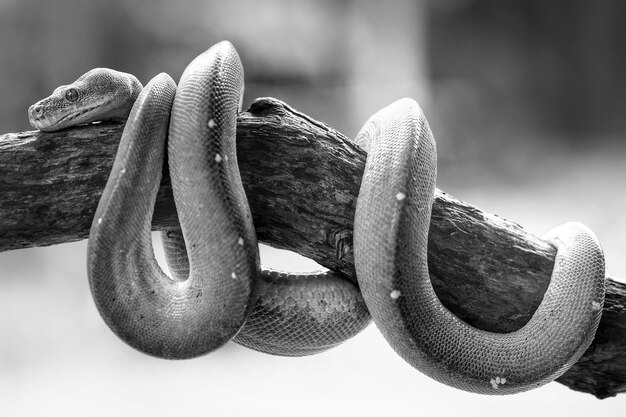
point(218, 290)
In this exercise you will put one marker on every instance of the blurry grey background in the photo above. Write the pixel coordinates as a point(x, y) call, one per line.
point(525, 98)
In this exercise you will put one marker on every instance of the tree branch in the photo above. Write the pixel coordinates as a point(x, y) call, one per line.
point(302, 180)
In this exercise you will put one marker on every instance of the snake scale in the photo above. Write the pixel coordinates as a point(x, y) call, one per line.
point(219, 291)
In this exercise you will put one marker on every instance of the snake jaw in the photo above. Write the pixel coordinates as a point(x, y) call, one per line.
point(57, 118)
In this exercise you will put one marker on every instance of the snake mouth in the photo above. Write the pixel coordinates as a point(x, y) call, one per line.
point(55, 119)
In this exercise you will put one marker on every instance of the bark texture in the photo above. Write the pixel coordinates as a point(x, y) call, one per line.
point(302, 179)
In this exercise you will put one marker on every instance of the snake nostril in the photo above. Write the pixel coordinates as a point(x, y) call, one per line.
point(36, 110)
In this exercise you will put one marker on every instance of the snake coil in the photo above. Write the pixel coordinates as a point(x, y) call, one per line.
point(218, 290)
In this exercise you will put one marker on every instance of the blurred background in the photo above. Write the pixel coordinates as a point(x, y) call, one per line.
point(525, 98)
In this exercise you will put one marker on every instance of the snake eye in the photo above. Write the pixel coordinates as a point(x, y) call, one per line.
point(71, 95)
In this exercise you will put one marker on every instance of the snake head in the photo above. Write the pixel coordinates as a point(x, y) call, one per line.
point(101, 94)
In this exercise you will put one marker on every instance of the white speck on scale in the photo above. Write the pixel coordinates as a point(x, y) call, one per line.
point(400, 196)
point(233, 275)
point(495, 383)
point(240, 241)
point(395, 294)
point(123, 170)
point(99, 220)
point(218, 158)
point(211, 123)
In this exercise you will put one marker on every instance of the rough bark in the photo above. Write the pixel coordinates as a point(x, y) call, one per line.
point(302, 179)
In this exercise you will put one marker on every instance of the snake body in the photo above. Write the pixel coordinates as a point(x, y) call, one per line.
point(393, 212)
point(219, 292)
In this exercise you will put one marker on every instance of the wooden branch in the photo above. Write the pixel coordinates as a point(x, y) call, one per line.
point(302, 179)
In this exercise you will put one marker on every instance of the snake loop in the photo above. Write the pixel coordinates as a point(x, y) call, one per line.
point(390, 238)
point(186, 316)
point(219, 292)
